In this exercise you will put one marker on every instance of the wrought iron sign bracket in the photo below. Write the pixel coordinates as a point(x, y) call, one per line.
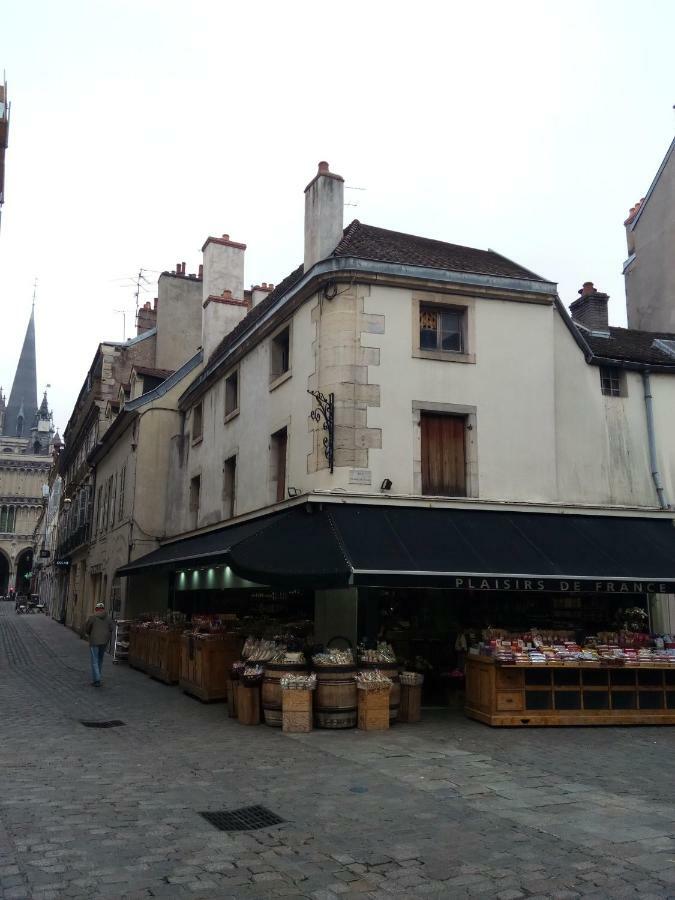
point(325, 409)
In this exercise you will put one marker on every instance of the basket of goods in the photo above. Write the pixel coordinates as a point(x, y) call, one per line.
point(248, 695)
point(383, 659)
point(284, 660)
point(237, 670)
point(412, 679)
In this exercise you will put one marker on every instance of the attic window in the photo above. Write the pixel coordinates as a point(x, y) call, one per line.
point(612, 382)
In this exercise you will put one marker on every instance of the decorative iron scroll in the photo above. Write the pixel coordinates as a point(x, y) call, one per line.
point(325, 409)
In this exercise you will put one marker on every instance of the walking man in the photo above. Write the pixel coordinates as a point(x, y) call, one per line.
point(99, 628)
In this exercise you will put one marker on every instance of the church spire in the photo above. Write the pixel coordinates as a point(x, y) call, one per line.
point(23, 396)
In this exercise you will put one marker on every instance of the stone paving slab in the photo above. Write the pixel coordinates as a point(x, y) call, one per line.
point(447, 808)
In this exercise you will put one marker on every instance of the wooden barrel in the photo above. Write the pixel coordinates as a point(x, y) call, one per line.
point(391, 670)
point(271, 689)
point(335, 702)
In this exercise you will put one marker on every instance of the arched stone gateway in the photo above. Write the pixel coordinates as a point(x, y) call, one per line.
point(24, 568)
point(4, 574)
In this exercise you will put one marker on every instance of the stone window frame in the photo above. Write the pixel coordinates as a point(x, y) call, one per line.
point(233, 413)
point(470, 413)
point(454, 302)
point(276, 380)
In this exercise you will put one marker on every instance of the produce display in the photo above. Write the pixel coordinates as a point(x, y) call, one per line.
point(373, 680)
point(298, 682)
point(334, 658)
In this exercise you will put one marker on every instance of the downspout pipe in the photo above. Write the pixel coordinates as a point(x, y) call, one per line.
point(651, 436)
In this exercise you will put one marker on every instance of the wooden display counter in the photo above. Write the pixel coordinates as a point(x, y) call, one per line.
point(205, 664)
point(569, 694)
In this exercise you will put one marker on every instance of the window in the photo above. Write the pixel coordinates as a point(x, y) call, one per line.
point(443, 455)
point(232, 394)
point(7, 514)
point(195, 490)
point(99, 511)
point(612, 382)
point(442, 328)
point(123, 478)
point(280, 353)
point(197, 423)
point(278, 447)
point(229, 486)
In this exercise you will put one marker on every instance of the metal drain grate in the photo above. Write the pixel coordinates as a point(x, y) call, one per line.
point(248, 818)
point(112, 723)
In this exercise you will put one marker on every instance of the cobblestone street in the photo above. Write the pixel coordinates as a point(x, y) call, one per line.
point(448, 808)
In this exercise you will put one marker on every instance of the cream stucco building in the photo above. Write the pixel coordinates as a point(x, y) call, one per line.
point(395, 370)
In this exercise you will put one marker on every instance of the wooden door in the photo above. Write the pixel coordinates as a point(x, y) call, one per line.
point(443, 455)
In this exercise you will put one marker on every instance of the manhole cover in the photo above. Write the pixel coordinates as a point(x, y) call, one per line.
point(112, 723)
point(248, 818)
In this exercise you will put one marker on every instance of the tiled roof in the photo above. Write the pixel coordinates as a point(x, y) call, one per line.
point(382, 245)
point(379, 244)
point(154, 373)
point(630, 345)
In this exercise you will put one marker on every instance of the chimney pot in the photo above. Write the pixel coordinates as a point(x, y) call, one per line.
point(323, 168)
point(226, 237)
point(201, 270)
point(587, 289)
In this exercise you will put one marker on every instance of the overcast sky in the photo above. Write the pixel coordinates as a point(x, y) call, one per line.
point(139, 128)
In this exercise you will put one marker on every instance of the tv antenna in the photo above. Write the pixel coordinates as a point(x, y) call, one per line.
point(351, 187)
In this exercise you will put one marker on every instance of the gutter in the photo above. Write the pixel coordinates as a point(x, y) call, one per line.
point(341, 265)
point(651, 437)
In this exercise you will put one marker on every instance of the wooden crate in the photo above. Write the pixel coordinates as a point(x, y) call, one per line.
point(164, 655)
point(205, 664)
point(373, 710)
point(248, 704)
point(138, 648)
point(411, 703)
point(296, 711)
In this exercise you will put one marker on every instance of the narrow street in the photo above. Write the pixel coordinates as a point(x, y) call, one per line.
point(449, 808)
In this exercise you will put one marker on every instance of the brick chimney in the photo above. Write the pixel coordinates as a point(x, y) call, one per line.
point(146, 318)
point(324, 208)
point(223, 302)
point(590, 309)
point(259, 292)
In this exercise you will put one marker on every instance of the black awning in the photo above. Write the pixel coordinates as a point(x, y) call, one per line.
point(415, 545)
point(336, 544)
point(200, 549)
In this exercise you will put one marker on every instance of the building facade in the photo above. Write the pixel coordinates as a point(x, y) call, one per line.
point(649, 270)
point(390, 369)
point(26, 434)
point(95, 509)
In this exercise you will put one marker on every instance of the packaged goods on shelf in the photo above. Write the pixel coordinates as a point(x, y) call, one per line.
point(412, 679)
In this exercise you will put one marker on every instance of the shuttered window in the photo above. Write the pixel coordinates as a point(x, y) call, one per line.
point(443, 455)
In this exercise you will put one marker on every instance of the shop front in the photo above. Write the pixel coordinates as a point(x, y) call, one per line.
point(461, 593)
